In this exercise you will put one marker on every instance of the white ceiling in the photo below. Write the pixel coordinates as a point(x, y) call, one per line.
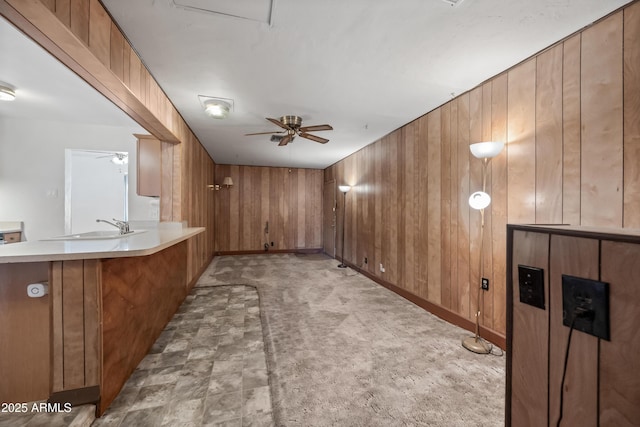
point(366, 67)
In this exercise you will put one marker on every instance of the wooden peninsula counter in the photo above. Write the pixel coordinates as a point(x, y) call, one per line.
point(108, 301)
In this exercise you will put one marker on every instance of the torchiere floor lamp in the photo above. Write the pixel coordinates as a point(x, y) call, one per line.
point(479, 201)
point(345, 189)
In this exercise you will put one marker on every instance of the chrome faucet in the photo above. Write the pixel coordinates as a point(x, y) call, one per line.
point(123, 226)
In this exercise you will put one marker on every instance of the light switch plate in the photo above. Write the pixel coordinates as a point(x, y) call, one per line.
point(531, 285)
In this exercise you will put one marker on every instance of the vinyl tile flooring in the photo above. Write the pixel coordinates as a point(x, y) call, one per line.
point(207, 368)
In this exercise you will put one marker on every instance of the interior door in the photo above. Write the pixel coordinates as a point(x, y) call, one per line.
point(329, 218)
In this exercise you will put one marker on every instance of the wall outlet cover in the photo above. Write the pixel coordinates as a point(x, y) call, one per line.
point(531, 286)
point(587, 294)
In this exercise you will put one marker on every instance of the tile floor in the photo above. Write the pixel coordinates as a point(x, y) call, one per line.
point(207, 368)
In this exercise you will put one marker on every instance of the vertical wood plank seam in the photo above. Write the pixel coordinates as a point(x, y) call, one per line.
point(548, 275)
point(84, 326)
point(62, 322)
point(599, 339)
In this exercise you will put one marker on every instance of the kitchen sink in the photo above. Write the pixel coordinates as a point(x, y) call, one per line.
point(96, 235)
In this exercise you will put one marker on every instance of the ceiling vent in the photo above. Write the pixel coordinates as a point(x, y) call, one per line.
point(453, 2)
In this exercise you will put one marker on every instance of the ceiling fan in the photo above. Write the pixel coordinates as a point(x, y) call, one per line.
point(292, 126)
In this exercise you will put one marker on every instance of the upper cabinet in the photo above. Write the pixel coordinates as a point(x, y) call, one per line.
point(148, 167)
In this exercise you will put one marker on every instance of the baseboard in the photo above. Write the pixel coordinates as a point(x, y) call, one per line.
point(196, 276)
point(437, 310)
point(76, 397)
point(273, 251)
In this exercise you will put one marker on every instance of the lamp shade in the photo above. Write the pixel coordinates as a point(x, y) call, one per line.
point(227, 181)
point(344, 188)
point(479, 200)
point(486, 150)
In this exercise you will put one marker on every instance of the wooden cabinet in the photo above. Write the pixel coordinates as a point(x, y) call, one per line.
point(148, 166)
point(602, 385)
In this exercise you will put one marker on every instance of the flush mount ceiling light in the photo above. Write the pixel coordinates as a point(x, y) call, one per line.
point(218, 108)
point(6, 93)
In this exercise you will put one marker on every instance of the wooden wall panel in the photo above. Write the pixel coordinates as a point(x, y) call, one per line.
point(289, 199)
point(529, 376)
point(619, 364)
point(601, 106)
point(581, 387)
point(498, 232)
point(434, 206)
point(475, 184)
point(445, 205)
point(24, 334)
point(548, 114)
point(631, 118)
point(521, 184)
point(463, 264)
point(571, 131)
point(99, 32)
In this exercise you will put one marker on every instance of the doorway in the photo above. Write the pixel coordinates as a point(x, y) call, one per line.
point(96, 186)
point(329, 218)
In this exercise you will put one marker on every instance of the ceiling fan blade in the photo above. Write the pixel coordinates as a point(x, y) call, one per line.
point(263, 133)
point(315, 128)
point(278, 123)
point(285, 140)
point(314, 138)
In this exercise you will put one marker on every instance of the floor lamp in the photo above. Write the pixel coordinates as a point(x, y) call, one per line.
point(479, 201)
point(345, 189)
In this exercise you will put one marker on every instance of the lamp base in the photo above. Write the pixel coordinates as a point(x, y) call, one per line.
point(342, 265)
point(476, 345)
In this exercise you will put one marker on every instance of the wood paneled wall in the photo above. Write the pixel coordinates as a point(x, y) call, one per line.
point(570, 116)
point(25, 325)
point(82, 35)
point(289, 199)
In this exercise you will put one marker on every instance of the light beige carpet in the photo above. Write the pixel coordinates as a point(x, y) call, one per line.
point(344, 351)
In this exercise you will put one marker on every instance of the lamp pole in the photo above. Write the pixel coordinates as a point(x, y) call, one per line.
point(345, 189)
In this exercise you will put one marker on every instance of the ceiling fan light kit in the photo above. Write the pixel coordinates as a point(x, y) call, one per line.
point(7, 94)
point(292, 126)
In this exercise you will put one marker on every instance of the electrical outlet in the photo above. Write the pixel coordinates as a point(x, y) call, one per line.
point(531, 286)
point(587, 295)
point(485, 284)
point(271, 243)
point(365, 260)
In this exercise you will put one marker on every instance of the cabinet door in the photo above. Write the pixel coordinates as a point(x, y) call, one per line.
point(149, 166)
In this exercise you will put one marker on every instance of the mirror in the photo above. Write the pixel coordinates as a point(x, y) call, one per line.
point(54, 110)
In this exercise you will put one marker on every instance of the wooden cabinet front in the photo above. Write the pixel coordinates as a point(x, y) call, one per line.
point(149, 166)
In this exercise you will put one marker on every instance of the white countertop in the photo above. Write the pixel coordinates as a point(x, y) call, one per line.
point(147, 243)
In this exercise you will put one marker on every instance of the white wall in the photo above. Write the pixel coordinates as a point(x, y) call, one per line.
point(32, 170)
